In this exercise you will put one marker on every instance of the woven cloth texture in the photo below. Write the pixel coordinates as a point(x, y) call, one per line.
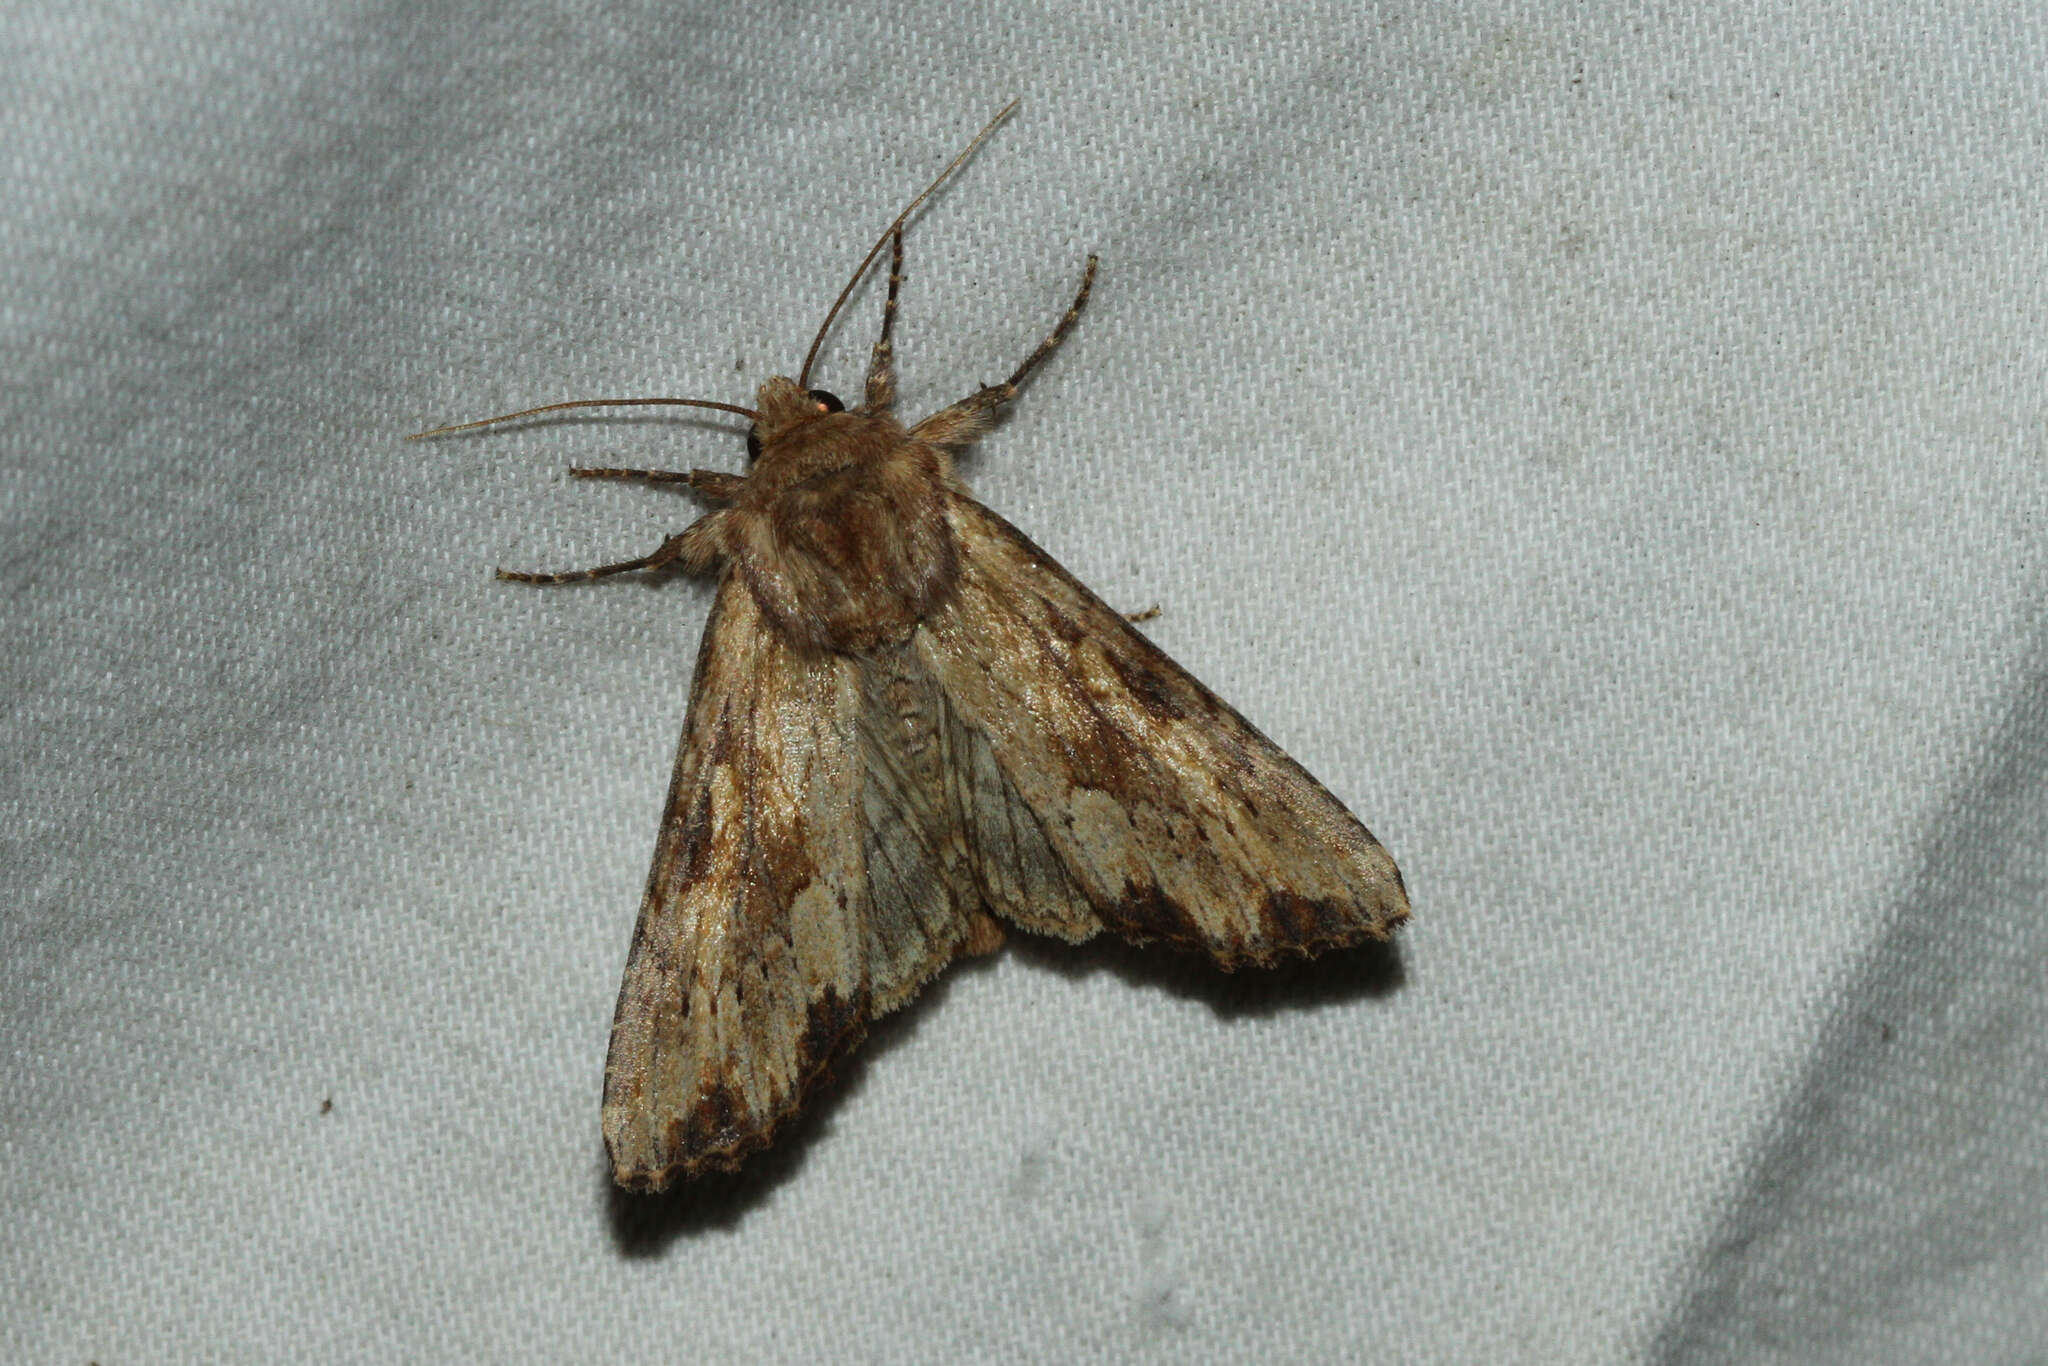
point(1603, 443)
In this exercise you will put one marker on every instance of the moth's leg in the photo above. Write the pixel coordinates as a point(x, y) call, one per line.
point(695, 549)
point(970, 417)
point(881, 386)
point(712, 484)
point(1053, 338)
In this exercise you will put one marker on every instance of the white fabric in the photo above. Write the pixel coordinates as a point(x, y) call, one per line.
point(1604, 444)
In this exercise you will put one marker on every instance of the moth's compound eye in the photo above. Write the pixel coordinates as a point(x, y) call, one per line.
point(829, 402)
point(753, 445)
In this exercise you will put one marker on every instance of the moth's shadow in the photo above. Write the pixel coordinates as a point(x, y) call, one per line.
point(1366, 972)
point(644, 1225)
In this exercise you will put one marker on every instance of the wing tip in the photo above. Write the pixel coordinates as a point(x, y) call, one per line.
point(719, 1131)
point(1287, 927)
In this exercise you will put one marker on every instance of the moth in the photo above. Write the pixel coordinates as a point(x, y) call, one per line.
point(909, 727)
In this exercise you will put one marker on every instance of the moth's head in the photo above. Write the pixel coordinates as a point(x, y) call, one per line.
point(783, 406)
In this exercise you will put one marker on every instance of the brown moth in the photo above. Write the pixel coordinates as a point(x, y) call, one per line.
point(909, 724)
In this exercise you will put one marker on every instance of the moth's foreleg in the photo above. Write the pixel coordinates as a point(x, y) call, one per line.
point(881, 385)
point(970, 417)
point(695, 550)
point(714, 485)
point(1054, 338)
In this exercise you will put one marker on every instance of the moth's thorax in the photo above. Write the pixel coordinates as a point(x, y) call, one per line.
point(841, 529)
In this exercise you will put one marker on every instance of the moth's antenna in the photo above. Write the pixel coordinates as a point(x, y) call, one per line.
point(586, 403)
point(804, 375)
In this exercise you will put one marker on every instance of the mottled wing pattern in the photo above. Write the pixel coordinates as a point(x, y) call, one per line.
point(1103, 787)
point(748, 975)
